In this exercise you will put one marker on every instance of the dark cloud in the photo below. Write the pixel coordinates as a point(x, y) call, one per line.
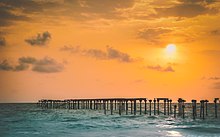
point(168, 69)
point(100, 6)
point(214, 78)
point(215, 32)
point(116, 54)
point(27, 60)
point(87, 9)
point(2, 41)
point(45, 65)
point(4, 65)
point(70, 49)
point(109, 54)
point(30, 6)
point(24, 63)
point(153, 35)
point(198, 1)
point(96, 53)
point(40, 39)
point(187, 8)
point(8, 17)
point(79, 10)
point(161, 69)
point(158, 67)
point(25, 8)
point(216, 85)
point(21, 67)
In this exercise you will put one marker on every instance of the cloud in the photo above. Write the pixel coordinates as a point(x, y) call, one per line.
point(70, 49)
point(4, 65)
point(27, 60)
point(153, 35)
point(2, 41)
point(116, 54)
point(40, 39)
point(96, 9)
point(215, 32)
point(214, 78)
point(109, 54)
point(12, 11)
point(45, 65)
point(187, 8)
point(198, 1)
point(96, 53)
point(216, 85)
point(8, 17)
point(211, 78)
point(168, 69)
point(158, 67)
point(21, 67)
point(179, 9)
point(161, 69)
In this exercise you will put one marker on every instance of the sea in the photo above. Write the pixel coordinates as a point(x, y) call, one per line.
point(28, 120)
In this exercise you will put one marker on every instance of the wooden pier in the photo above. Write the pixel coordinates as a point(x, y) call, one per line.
point(134, 106)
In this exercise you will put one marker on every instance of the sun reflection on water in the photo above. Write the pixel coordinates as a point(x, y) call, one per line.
point(174, 134)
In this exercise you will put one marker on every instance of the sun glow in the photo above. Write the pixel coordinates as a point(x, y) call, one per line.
point(170, 49)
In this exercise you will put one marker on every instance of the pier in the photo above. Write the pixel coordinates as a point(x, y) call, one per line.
point(138, 106)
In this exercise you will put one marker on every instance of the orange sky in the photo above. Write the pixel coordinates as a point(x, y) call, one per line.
point(101, 48)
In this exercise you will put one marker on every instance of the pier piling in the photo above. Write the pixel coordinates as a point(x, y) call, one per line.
point(165, 106)
point(126, 107)
point(155, 107)
point(111, 106)
point(206, 107)
point(170, 106)
point(150, 107)
point(132, 105)
point(140, 106)
point(183, 108)
point(145, 106)
point(119, 107)
point(158, 106)
point(175, 111)
point(216, 109)
point(135, 107)
point(194, 108)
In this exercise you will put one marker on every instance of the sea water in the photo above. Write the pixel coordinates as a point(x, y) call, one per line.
point(28, 120)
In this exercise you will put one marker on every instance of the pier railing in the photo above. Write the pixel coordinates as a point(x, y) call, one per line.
point(126, 106)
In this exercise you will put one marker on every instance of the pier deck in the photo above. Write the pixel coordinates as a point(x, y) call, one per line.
point(133, 105)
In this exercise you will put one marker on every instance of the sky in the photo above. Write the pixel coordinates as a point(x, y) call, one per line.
point(62, 49)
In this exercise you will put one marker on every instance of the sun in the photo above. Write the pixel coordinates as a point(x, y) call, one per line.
point(170, 49)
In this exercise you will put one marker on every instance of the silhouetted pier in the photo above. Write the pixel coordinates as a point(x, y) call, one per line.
point(127, 106)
